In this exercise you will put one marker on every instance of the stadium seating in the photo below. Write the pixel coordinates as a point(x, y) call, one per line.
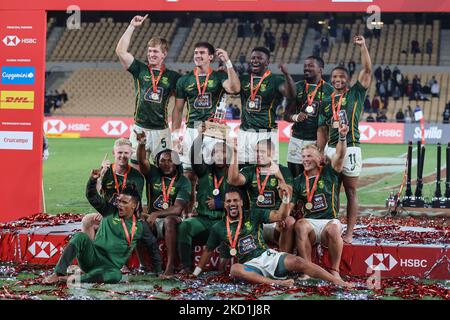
point(97, 41)
point(387, 49)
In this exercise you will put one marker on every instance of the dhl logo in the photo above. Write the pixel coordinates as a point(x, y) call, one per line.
point(17, 100)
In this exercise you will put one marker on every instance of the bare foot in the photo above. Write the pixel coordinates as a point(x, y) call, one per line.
point(125, 269)
point(336, 274)
point(343, 283)
point(285, 283)
point(168, 274)
point(54, 279)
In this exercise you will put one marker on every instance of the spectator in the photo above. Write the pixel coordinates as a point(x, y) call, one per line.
point(333, 35)
point(242, 58)
point(370, 118)
point(408, 114)
point(416, 110)
point(416, 84)
point(257, 29)
point(381, 116)
point(431, 81)
point(346, 34)
point(389, 87)
point(446, 116)
point(339, 31)
point(240, 30)
point(247, 29)
point(397, 76)
point(396, 94)
point(415, 47)
point(435, 89)
point(284, 39)
point(324, 43)
point(387, 73)
point(367, 104)
point(267, 37)
point(410, 91)
point(375, 104)
point(351, 66)
point(382, 89)
point(429, 46)
point(272, 43)
point(64, 96)
point(377, 32)
point(400, 116)
point(378, 73)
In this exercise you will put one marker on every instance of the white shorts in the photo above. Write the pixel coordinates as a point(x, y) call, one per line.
point(188, 140)
point(247, 141)
point(319, 224)
point(295, 149)
point(267, 263)
point(157, 140)
point(352, 162)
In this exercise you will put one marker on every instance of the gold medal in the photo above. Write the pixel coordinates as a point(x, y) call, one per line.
point(216, 192)
point(261, 198)
point(155, 96)
point(308, 205)
point(335, 124)
point(233, 252)
point(165, 205)
point(309, 109)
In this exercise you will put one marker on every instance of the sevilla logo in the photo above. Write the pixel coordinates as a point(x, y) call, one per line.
point(114, 128)
point(54, 126)
point(381, 261)
point(42, 249)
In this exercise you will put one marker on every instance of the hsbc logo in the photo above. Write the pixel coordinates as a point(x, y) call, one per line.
point(13, 41)
point(367, 132)
point(54, 126)
point(114, 128)
point(42, 249)
point(381, 261)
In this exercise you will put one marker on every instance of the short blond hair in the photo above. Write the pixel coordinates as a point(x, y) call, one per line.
point(161, 42)
point(122, 142)
point(313, 147)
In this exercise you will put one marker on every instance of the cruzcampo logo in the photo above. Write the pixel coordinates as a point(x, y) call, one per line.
point(210, 83)
point(248, 226)
point(263, 87)
point(321, 184)
point(157, 186)
point(191, 87)
point(344, 101)
point(147, 78)
point(116, 220)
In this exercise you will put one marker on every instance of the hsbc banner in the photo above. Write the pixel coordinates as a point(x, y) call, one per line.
point(434, 133)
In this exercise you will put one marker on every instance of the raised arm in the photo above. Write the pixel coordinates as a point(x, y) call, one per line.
point(235, 178)
point(288, 89)
point(98, 202)
point(285, 192)
point(365, 75)
point(144, 165)
point(232, 84)
point(338, 159)
point(126, 58)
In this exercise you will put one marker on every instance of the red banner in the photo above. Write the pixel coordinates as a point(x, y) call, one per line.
point(235, 5)
point(22, 43)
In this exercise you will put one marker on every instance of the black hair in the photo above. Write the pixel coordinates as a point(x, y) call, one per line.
point(228, 151)
point(175, 158)
point(318, 60)
point(206, 45)
point(232, 189)
point(342, 69)
point(263, 50)
point(131, 190)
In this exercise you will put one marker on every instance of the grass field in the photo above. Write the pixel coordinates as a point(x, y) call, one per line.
point(68, 167)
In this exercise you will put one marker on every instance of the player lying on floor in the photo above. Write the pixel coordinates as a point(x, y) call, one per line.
point(120, 228)
point(241, 233)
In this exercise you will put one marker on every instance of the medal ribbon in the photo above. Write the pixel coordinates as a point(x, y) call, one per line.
point(116, 182)
point(232, 241)
point(133, 230)
point(217, 184)
point(166, 192)
point(258, 180)
point(155, 82)
point(337, 109)
point(202, 89)
point(253, 90)
point(310, 193)
point(310, 96)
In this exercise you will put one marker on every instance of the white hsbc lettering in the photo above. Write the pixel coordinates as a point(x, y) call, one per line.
point(79, 127)
point(389, 133)
point(413, 263)
point(29, 40)
point(431, 133)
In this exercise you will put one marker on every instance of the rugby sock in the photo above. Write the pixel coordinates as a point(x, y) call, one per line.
point(69, 253)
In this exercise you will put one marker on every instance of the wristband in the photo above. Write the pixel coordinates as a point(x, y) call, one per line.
point(342, 138)
point(228, 64)
point(142, 142)
point(197, 271)
point(285, 200)
point(295, 117)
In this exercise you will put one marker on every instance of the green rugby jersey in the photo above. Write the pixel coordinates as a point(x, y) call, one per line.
point(206, 187)
point(152, 113)
point(250, 243)
point(108, 184)
point(261, 116)
point(307, 129)
point(326, 197)
point(352, 106)
point(201, 108)
point(272, 199)
point(181, 189)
